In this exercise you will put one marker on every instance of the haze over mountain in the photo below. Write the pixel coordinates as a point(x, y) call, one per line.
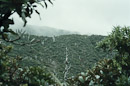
point(40, 30)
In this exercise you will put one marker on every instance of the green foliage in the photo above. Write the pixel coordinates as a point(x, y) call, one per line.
point(104, 73)
point(24, 8)
point(109, 72)
point(36, 76)
point(50, 51)
point(118, 40)
point(124, 80)
point(12, 74)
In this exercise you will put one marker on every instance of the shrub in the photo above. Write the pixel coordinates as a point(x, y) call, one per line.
point(109, 72)
point(11, 74)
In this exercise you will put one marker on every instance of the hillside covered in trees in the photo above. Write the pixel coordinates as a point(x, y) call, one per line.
point(52, 51)
point(67, 60)
point(73, 60)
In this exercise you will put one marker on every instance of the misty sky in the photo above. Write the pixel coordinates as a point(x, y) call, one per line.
point(84, 16)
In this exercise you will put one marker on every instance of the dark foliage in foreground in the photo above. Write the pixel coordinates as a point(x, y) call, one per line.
point(109, 72)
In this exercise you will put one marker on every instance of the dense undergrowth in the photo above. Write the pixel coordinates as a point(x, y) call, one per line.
point(109, 72)
point(114, 71)
point(29, 70)
point(51, 52)
point(12, 74)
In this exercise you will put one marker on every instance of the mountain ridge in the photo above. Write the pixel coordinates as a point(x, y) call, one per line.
point(41, 30)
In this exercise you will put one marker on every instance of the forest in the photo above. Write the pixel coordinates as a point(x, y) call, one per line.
point(65, 60)
point(52, 52)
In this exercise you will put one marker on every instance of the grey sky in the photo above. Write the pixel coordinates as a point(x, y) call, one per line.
point(85, 16)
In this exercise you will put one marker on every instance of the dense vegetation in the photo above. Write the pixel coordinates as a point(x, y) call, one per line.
point(11, 73)
point(51, 51)
point(29, 70)
point(24, 8)
point(109, 72)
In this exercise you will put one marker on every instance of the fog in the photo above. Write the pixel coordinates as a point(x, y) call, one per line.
point(84, 16)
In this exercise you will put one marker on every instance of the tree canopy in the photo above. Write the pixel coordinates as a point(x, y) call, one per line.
point(109, 72)
point(24, 8)
point(118, 40)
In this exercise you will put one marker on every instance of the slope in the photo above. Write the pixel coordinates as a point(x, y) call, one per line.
point(52, 52)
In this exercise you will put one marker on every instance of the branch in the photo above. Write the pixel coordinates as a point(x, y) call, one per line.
point(14, 41)
point(67, 67)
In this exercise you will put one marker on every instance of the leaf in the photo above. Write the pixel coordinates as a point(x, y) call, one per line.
point(10, 21)
point(50, 1)
point(7, 22)
point(23, 84)
point(45, 4)
point(37, 12)
point(34, 5)
point(81, 79)
point(24, 18)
